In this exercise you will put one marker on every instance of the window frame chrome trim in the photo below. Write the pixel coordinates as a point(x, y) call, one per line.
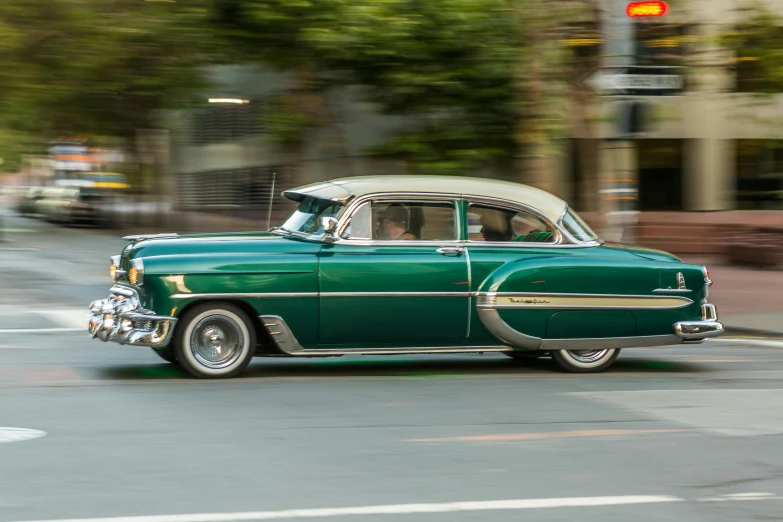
point(519, 207)
point(353, 205)
point(421, 197)
point(595, 242)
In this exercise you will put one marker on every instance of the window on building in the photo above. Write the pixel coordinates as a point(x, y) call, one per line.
point(584, 40)
point(660, 174)
point(225, 122)
point(657, 43)
point(759, 174)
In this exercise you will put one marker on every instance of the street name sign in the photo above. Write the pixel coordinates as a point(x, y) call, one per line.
point(636, 80)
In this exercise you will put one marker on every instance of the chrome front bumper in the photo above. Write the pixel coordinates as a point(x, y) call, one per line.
point(700, 330)
point(121, 319)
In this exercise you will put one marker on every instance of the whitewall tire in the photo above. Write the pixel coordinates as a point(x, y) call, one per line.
point(215, 341)
point(584, 361)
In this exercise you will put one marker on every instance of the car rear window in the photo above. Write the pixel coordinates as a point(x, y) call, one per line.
point(575, 226)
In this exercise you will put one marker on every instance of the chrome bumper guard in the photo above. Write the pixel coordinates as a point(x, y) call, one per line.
point(700, 330)
point(121, 319)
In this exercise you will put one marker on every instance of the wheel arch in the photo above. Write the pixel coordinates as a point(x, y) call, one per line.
point(262, 334)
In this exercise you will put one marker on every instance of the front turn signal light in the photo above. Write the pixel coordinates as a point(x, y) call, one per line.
point(114, 268)
point(136, 272)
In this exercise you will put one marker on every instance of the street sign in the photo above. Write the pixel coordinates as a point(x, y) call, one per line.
point(637, 9)
point(635, 80)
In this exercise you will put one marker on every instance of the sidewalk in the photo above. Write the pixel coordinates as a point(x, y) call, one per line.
point(749, 301)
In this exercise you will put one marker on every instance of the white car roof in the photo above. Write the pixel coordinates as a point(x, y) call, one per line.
point(344, 189)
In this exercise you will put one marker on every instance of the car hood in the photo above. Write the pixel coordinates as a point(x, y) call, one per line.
point(231, 243)
point(643, 252)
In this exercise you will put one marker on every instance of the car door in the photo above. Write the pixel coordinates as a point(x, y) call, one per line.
point(528, 282)
point(379, 289)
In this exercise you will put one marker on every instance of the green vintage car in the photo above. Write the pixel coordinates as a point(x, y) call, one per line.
point(394, 265)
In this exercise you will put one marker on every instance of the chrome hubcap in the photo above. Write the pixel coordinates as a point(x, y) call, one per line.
point(217, 341)
point(587, 356)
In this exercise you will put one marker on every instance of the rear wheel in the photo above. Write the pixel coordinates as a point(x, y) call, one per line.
point(584, 361)
point(166, 353)
point(215, 341)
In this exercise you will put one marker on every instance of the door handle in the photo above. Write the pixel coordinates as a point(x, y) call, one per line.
point(450, 251)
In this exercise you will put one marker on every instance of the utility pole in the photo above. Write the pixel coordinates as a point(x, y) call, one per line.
point(618, 184)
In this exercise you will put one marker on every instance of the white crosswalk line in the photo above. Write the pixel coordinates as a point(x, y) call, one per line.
point(51, 321)
point(70, 318)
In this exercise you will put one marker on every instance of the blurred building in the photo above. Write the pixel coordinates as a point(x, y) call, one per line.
point(715, 148)
point(225, 162)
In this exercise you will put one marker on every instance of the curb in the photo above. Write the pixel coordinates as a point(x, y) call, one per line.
point(752, 332)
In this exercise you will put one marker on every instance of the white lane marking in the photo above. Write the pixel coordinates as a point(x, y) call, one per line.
point(42, 330)
point(742, 497)
point(19, 434)
point(66, 318)
point(395, 509)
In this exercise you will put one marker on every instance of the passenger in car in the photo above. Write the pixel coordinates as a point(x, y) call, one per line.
point(495, 225)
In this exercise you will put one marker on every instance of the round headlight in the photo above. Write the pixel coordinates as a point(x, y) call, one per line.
point(113, 272)
point(133, 275)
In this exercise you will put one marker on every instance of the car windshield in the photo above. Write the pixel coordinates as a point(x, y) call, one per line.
point(306, 219)
point(577, 228)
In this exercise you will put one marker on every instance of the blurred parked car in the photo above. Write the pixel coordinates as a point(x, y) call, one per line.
point(26, 205)
point(72, 206)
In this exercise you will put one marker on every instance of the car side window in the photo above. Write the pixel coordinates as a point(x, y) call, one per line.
point(498, 224)
point(404, 220)
point(360, 226)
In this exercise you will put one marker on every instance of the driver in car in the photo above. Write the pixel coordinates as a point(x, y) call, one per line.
point(394, 221)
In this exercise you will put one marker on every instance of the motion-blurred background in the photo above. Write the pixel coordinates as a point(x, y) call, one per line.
point(659, 122)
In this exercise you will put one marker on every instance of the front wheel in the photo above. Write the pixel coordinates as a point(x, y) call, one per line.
point(584, 361)
point(215, 341)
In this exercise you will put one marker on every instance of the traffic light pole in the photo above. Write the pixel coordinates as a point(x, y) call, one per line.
point(618, 191)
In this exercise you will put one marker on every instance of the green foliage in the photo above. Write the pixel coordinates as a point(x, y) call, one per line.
point(448, 66)
point(286, 123)
point(97, 67)
point(757, 43)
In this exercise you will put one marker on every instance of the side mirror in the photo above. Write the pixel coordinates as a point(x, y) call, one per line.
point(329, 224)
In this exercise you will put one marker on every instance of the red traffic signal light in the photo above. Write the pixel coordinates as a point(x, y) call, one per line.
point(635, 9)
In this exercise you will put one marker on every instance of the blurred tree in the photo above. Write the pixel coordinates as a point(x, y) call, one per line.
point(756, 42)
point(480, 81)
point(97, 67)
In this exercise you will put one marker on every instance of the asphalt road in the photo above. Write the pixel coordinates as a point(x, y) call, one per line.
point(690, 434)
